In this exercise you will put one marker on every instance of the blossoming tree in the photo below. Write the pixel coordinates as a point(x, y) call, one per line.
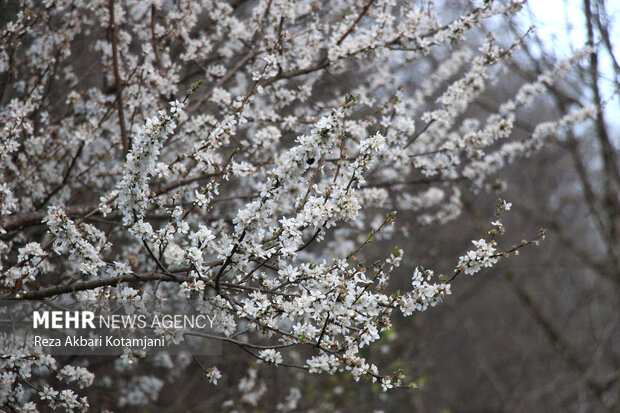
point(244, 154)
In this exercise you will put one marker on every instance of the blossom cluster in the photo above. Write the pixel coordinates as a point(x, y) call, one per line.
point(243, 156)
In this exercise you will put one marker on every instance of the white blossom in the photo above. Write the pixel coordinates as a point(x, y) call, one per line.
point(293, 134)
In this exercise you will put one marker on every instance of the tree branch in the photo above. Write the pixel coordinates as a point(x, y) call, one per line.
point(117, 80)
